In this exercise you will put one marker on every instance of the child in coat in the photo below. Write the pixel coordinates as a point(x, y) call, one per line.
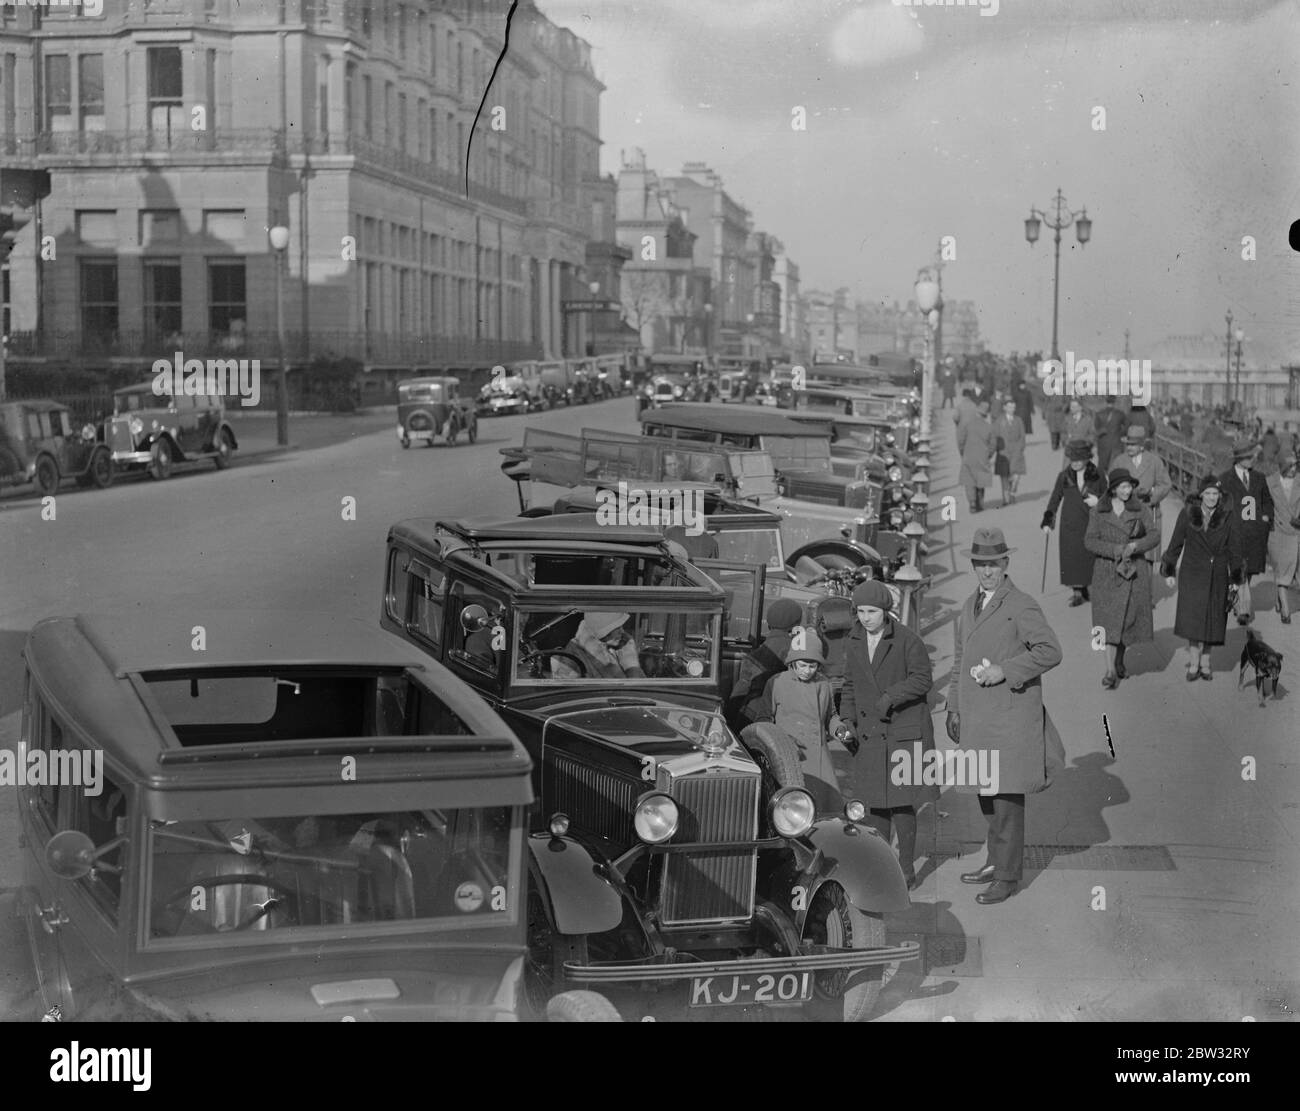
point(803, 707)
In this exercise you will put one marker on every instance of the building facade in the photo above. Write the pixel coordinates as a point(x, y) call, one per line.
point(175, 133)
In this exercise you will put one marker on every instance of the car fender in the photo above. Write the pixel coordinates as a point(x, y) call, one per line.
point(858, 553)
point(580, 900)
point(853, 856)
point(224, 426)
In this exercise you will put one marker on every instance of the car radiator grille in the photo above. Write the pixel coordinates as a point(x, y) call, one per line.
point(701, 887)
point(597, 800)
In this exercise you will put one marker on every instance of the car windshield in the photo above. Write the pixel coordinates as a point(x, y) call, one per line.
point(577, 644)
point(758, 545)
point(799, 453)
point(441, 868)
point(419, 393)
point(134, 402)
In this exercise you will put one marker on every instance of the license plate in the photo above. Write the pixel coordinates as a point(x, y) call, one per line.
point(774, 989)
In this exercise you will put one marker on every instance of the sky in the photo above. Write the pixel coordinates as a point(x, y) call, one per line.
point(932, 121)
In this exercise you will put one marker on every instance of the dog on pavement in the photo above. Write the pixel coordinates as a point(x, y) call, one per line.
point(1266, 661)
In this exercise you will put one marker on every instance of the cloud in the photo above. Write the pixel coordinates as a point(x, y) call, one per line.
point(876, 35)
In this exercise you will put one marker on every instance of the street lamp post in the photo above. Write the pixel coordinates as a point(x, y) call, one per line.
point(1063, 219)
point(1237, 397)
point(280, 243)
point(1227, 383)
point(927, 300)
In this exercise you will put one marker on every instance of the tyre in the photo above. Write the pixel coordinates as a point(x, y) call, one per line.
point(405, 442)
point(100, 470)
point(225, 447)
point(844, 995)
point(581, 1006)
point(547, 951)
point(777, 749)
point(47, 475)
point(160, 460)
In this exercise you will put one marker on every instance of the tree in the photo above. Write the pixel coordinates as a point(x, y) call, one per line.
point(645, 300)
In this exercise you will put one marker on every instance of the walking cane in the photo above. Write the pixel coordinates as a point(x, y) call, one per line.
point(1047, 540)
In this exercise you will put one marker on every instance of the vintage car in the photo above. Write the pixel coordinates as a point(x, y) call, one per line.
point(309, 820)
point(504, 395)
point(669, 864)
point(153, 432)
point(38, 444)
point(431, 407)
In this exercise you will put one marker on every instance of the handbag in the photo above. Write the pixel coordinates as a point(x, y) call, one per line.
point(1241, 600)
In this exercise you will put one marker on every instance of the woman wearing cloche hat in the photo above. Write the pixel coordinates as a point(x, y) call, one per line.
point(1077, 489)
point(1120, 529)
point(886, 679)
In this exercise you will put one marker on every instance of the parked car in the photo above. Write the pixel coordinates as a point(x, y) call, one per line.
point(153, 432)
point(38, 444)
point(504, 395)
point(309, 821)
point(432, 407)
point(668, 857)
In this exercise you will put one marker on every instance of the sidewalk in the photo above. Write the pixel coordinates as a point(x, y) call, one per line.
point(1160, 885)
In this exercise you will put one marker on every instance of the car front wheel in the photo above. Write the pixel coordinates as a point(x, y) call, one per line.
point(581, 1006)
point(47, 475)
point(547, 951)
point(160, 460)
point(844, 995)
point(225, 449)
point(101, 469)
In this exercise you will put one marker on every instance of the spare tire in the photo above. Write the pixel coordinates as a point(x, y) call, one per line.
point(778, 750)
point(581, 1006)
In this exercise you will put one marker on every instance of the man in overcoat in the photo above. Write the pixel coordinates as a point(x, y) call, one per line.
point(886, 679)
point(1252, 505)
point(1024, 399)
point(1153, 482)
point(1002, 648)
point(1108, 424)
point(975, 441)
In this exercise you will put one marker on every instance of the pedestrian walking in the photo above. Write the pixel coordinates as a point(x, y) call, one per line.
point(966, 410)
point(1119, 529)
point(1284, 540)
point(803, 708)
point(887, 677)
point(1003, 646)
point(976, 444)
point(1153, 481)
point(1207, 539)
point(1054, 413)
point(1009, 465)
point(1252, 505)
point(1109, 424)
point(1078, 425)
point(1077, 489)
point(1270, 451)
point(1024, 398)
point(748, 700)
point(1140, 414)
point(948, 383)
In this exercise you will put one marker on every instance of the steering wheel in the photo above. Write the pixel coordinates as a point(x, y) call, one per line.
point(554, 652)
point(243, 877)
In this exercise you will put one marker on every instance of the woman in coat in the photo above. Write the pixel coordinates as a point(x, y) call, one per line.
point(1077, 489)
point(886, 680)
point(1078, 424)
point(1024, 398)
point(976, 443)
point(1119, 528)
point(1009, 433)
point(1284, 540)
point(1206, 537)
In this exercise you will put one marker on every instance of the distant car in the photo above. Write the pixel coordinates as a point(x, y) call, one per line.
point(432, 407)
point(153, 432)
point(309, 821)
point(38, 444)
point(505, 395)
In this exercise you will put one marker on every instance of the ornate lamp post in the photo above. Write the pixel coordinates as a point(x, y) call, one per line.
point(280, 242)
point(1063, 219)
point(1238, 335)
point(1227, 383)
point(927, 300)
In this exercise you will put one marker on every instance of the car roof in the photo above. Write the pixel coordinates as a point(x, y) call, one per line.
point(581, 527)
point(429, 380)
point(42, 404)
point(739, 420)
point(139, 387)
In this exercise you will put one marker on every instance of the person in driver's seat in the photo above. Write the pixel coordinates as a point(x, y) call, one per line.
point(605, 648)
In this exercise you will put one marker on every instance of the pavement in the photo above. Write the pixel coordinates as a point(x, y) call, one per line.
point(1197, 866)
point(1162, 880)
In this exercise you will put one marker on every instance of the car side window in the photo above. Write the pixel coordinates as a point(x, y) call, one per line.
point(480, 648)
point(103, 818)
point(397, 597)
point(49, 740)
point(35, 431)
point(427, 586)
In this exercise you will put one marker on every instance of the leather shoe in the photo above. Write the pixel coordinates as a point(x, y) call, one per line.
point(999, 891)
point(1076, 600)
point(984, 875)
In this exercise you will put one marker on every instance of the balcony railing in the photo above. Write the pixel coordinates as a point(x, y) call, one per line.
point(374, 347)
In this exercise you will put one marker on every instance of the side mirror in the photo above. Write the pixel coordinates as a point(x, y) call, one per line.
point(474, 617)
point(70, 855)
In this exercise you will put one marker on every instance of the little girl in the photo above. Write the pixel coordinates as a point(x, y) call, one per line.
point(803, 707)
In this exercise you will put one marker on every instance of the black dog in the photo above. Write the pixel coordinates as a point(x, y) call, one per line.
point(1266, 662)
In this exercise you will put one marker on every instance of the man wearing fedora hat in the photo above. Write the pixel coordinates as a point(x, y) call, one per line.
point(1150, 474)
point(1003, 645)
point(1252, 504)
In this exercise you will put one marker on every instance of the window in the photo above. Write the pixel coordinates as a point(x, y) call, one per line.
point(227, 296)
point(323, 92)
point(401, 122)
point(229, 225)
point(368, 112)
point(99, 298)
point(162, 298)
point(162, 225)
point(90, 92)
point(477, 644)
point(58, 93)
point(390, 107)
point(365, 18)
point(97, 228)
point(103, 818)
point(166, 112)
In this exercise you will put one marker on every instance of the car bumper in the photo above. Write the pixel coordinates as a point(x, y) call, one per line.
point(409, 434)
point(818, 959)
point(131, 458)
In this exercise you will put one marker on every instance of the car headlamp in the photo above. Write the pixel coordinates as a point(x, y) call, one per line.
point(87, 431)
point(855, 810)
point(559, 824)
point(655, 818)
point(677, 391)
point(792, 812)
point(136, 426)
point(895, 474)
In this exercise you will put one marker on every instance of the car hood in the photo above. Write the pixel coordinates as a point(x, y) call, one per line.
point(419, 985)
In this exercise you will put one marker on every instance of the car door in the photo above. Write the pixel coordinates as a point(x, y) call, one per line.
point(742, 626)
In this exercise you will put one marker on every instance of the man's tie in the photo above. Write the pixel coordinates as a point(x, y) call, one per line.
point(979, 602)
